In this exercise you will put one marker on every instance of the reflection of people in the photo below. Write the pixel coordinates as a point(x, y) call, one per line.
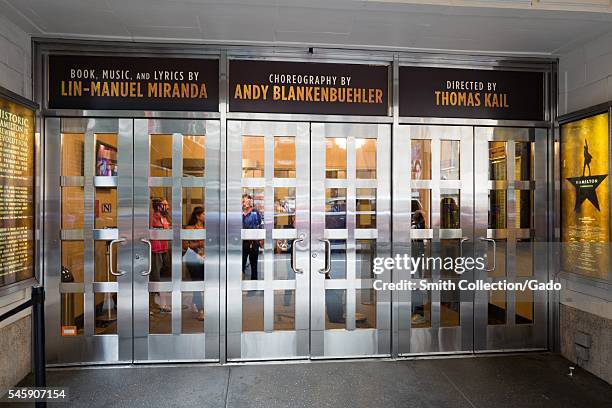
point(416, 170)
point(160, 262)
point(587, 158)
point(417, 221)
point(251, 219)
point(194, 257)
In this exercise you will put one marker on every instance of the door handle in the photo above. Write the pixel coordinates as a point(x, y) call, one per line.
point(148, 271)
point(110, 256)
point(494, 251)
point(464, 239)
point(293, 256)
point(327, 267)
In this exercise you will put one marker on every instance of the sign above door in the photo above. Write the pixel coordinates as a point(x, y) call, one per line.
point(308, 87)
point(159, 84)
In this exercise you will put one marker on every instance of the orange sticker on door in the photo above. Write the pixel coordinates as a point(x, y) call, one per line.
point(69, 330)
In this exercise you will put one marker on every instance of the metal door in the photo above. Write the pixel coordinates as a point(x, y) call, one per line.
point(511, 231)
point(350, 226)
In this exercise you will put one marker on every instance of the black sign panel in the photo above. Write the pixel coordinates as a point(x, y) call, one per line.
point(161, 84)
point(307, 87)
point(477, 94)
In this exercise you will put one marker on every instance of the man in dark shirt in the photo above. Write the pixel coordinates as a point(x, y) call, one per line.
point(251, 219)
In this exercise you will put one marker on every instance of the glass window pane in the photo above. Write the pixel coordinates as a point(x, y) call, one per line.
point(522, 161)
point(335, 158)
point(102, 259)
point(193, 260)
point(497, 307)
point(366, 208)
point(284, 309)
point(524, 257)
point(338, 259)
point(420, 166)
point(161, 208)
point(421, 309)
point(72, 261)
point(449, 159)
point(106, 154)
point(192, 312)
point(335, 308)
point(335, 208)
point(161, 261)
point(497, 209)
point(450, 308)
point(72, 314)
point(105, 305)
point(284, 207)
point(523, 208)
point(194, 156)
point(160, 316)
point(252, 310)
point(193, 207)
point(252, 259)
point(253, 156)
point(365, 158)
point(421, 248)
point(497, 160)
point(253, 198)
point(284, 157)
point(365, 252)
point(73, 207)
point(420, 209)
point(449, 209)
point(449, 249)
point(365, 304)
point(73, 148)
point(161, 156)
point(523, 307)
point(282, 259)
point(105, 208)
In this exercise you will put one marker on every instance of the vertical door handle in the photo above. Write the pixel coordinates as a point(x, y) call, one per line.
point(293, 256)
point(494, 251)
point(327, 267)
point(148, 271)
point(464, 239)
point(110, 256)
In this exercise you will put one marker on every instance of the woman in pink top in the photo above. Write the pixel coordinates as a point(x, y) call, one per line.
point(160, 262)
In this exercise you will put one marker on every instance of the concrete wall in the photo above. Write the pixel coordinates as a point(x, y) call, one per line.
point(15, 333)
point(585, 79)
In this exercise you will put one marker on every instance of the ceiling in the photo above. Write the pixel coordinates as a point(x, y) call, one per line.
point(503, 27)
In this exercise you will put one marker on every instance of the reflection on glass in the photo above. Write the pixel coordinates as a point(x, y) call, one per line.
point(365, 158)
point(335, 208)
point(420, 209)
point(256, 199)
point(192, 312)
point(421, 248)
point(252, 259)
point(497, 307)
point(524, 257)
point(252, 218)
point(523, 307)
point(73, 148)
point(160, 210)
point(338, 259)
point(523, 208)
point(497, 209)
point(497, 160)
point(194, 156)
point(161, 262)
point(72, 305)
point(365, 308)
point(449, 249)
point(160, 313)
point(522, 161)
point(282, 260)
point(284, 157)
point(193, 198)
point(335, 158)
point(449, 209)
point(106, 208)
point(365, 252)
point(421, 309)
point(252, 310)
point(366, 208)
point(106, 154)
point(335, 308)
point(449, 159)
point(252, 156)
point(284, 207)
point(105, 304)
point(420, 166)
point(73, 207)
point(450, 308)
point(160, 156)
point(284, 309)
point(72, 261)
point(102, 259)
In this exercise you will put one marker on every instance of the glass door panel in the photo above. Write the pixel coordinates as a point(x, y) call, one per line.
point(350, 207)
point(268, 249)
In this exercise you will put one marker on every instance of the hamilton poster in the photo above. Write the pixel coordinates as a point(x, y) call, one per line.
point(585, 222)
